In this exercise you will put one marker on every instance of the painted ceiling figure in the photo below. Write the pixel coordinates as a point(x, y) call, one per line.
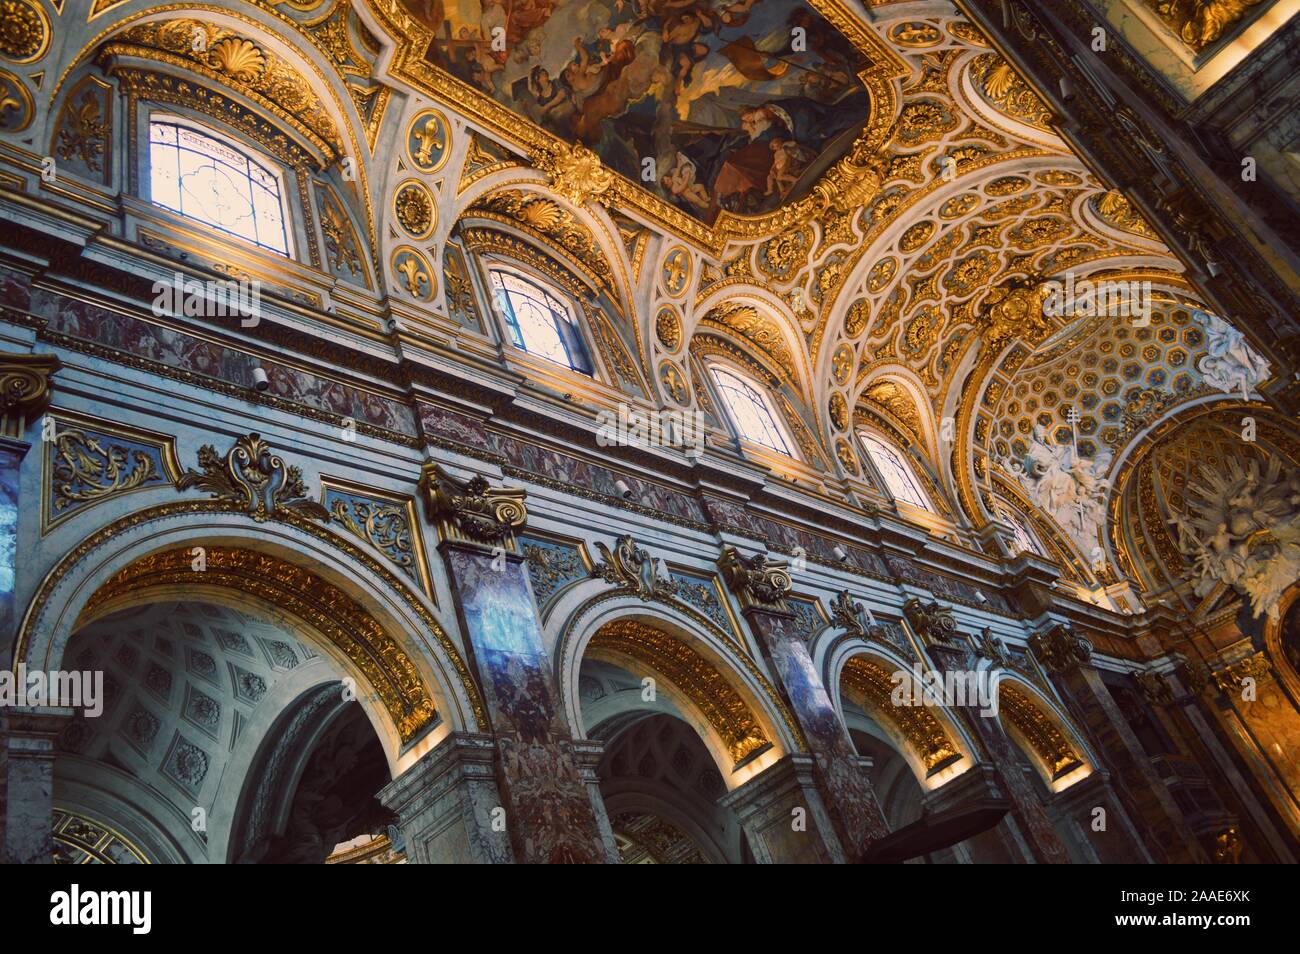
point(731, 110)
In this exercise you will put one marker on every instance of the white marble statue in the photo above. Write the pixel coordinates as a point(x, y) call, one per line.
point(1242, 528)
point(1229, 364)
point(1070, 487)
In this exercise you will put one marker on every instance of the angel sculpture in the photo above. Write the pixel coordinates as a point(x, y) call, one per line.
point(1241, 528)
point(1229, 364)
point(1070, 487)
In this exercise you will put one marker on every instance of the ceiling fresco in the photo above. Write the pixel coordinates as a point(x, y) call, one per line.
point(728, 106)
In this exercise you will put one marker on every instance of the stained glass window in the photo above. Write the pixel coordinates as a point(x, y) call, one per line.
point(750, 410)
point(1020, 529)
point(208, 180)
point(539, 322)
point(898, 475)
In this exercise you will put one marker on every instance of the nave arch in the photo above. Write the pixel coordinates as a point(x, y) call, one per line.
point(411, 677)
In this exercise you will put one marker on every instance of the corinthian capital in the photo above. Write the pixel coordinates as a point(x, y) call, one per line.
point(1060, 649)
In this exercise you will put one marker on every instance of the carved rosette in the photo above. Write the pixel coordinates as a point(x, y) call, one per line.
point(250, 476)
point(758, 581)
point(472, 511)
point(25, 390)
point(1060, 649)
point(631, 566)
point(932, 622)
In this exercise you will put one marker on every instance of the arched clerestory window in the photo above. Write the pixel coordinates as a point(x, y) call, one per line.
point(750, 410)
point(539, 321)
point(900, 479)
point(1025, 539)
point(203, 176)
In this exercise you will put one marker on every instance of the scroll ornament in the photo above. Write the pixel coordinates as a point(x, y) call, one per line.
point(251, 476)
point(632, 566)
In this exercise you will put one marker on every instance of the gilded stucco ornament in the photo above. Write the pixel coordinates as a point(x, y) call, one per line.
point(668, 328)
point(1060, 649)
point(413, 205)
point(254, 478)
point(16, 106)
point(427, 141)
point(633, 567)
point(472, 510)
point(85, 125)
point(932, 622)
point(1230, 677)
point(88, 467)
point(24, 31)
point(874, 683)
point(1042, 734)
point(1199, 23)
point(757, 581)
point(1014, 311)
point(674, 383)
point(576, 173)
point(849, 614)
point(415, 273)
point(848, 460)
point(726, 711)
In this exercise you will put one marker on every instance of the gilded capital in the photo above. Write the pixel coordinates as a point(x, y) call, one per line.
point(25, 390)
point(1060, 649)
point(1230, 678)
point(471, 510)
point(932, 622)
point(757, 581)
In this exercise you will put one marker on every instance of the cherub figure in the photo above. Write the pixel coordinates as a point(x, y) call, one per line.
point(788, 160)
point(680, 183)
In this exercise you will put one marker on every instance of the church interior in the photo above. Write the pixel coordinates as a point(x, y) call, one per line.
point(649, 431)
